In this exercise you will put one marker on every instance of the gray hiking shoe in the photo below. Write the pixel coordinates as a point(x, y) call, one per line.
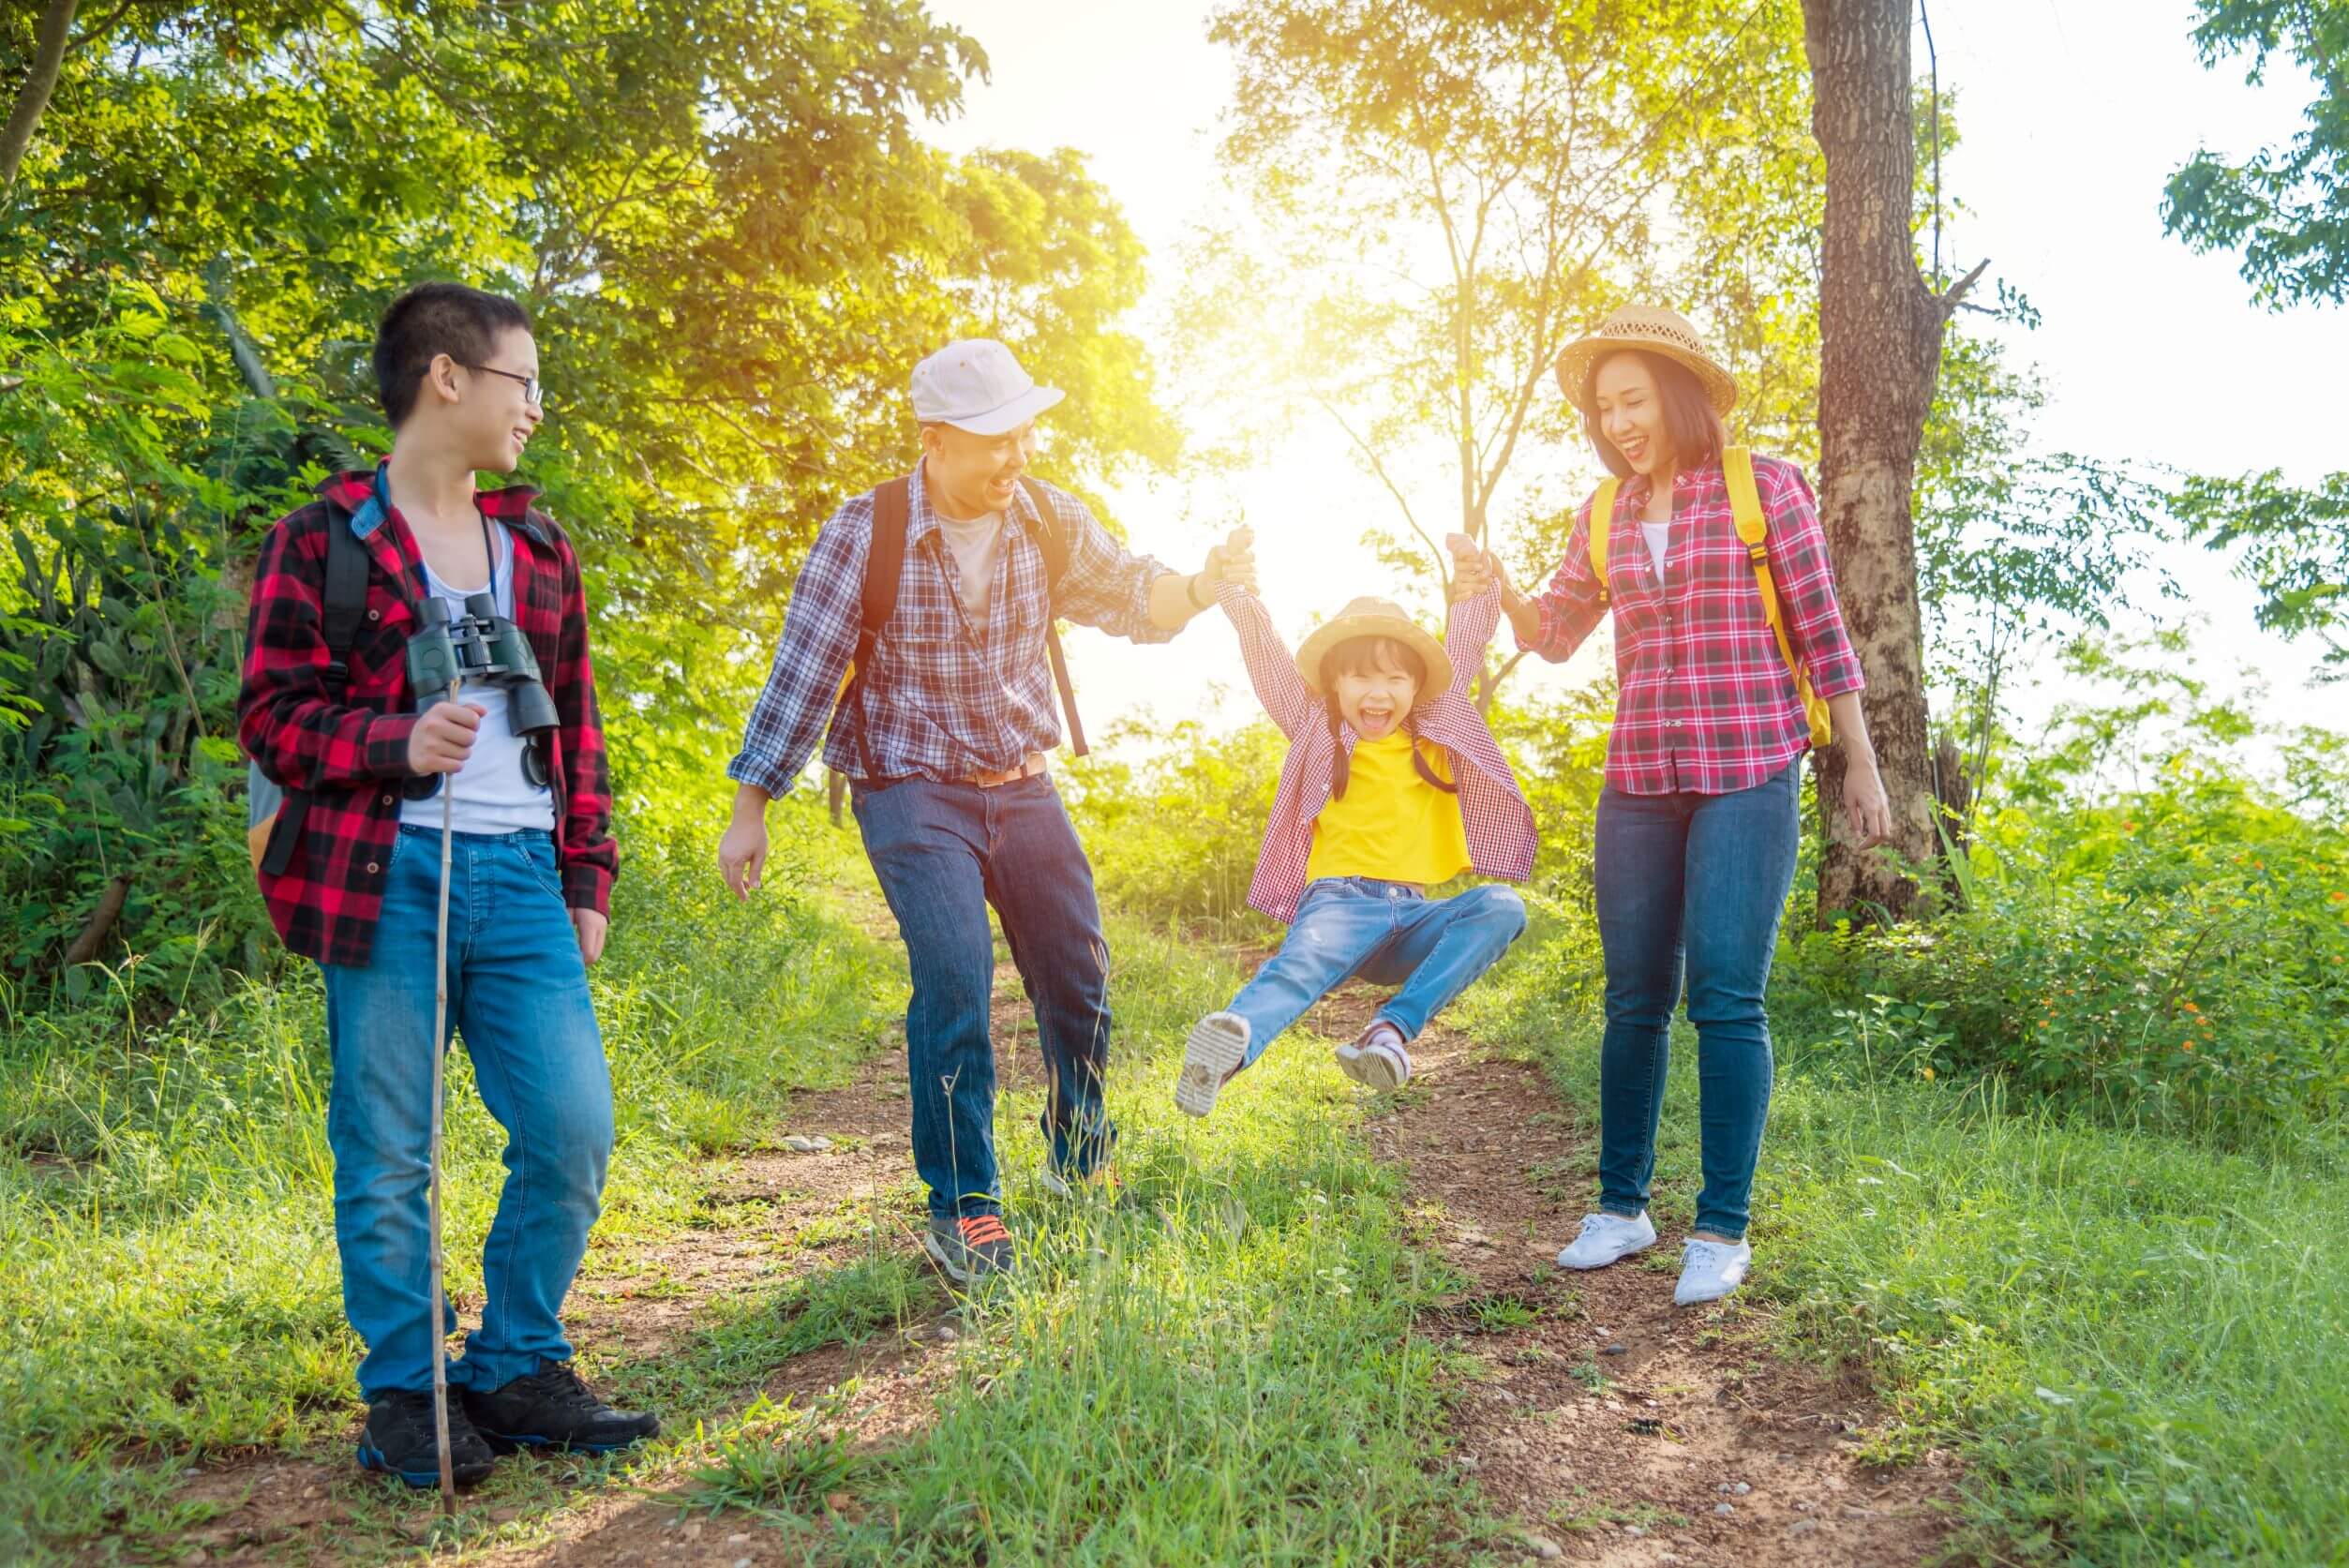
point(969, 1248)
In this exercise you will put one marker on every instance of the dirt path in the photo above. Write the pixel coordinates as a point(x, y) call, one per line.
point(1611, 1426)
point(765, 1218)
point(1615, 1427)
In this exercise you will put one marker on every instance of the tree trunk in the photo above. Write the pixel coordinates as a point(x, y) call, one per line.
point(32, 101)
point(1880, 333)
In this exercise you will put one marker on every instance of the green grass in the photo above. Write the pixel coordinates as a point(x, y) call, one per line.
point(168, 1281)
point(2132, 1337)
point(1218, 1367)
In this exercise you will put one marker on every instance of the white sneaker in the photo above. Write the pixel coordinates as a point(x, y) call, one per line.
point(1376, 1059)
point(1710, 1270)
point(1608, 1238)
point(1216, 1046)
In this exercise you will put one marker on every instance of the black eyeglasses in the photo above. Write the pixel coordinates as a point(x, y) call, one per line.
point(532, 392)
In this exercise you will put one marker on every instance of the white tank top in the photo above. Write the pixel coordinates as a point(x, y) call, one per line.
point(490, 794)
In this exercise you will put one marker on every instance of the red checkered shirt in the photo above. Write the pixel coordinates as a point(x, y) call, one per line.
point(352, 755)
point(1500, 824)
point(1705, 702)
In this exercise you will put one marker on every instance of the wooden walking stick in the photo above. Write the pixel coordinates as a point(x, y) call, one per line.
point(438, 1337)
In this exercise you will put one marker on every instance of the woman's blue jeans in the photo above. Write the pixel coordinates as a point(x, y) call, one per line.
point(1696, 882)
point(518, 995)
point(1388, 933)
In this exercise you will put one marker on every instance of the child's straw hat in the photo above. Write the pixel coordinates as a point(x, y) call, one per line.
point(1373, 618)
point(1656, 331)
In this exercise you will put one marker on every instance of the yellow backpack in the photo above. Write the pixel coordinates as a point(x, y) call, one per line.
point(1753, 527)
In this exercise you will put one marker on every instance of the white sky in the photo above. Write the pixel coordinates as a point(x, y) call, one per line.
point(2074, 112)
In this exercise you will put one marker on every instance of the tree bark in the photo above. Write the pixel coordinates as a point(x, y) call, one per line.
point(1880, 326)
point(31, 100)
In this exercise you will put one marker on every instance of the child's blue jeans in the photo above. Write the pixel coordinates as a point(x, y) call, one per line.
point(1388, 933)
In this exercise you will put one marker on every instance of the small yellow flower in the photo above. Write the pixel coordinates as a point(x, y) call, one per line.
point(1928, 1074)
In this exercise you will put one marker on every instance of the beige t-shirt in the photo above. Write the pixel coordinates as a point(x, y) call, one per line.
point(974, 544)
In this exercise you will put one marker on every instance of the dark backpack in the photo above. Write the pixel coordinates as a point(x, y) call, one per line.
point(274, 816)
point(885, 562)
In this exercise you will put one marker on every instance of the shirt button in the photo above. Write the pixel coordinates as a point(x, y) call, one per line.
point(373, 867)
point(375, 615)
point(387, 799)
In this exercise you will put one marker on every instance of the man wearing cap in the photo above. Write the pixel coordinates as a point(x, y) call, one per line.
point(943, 737)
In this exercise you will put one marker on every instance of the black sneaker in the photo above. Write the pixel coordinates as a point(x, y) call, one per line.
point(398, 1440)
point(551, 1408)
point(969, 1248)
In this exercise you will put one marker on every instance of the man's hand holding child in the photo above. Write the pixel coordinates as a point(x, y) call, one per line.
point(1233, 561)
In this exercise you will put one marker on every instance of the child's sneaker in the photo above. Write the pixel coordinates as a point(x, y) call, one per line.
point(1710, 1270)
point(1216, 1046)
point(1377, 1059)
point(1608, 1238)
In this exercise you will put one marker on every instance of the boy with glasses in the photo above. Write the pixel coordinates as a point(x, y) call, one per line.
point(352, 874)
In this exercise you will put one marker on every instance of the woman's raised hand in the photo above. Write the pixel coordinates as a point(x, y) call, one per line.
point(1474, 568)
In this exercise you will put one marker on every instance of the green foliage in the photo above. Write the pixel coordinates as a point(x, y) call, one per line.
point(2295, 549)
point(120, 499)
point(1435, 195)
point(1174, 838)
point(2286, 208)
point(734, 246)
point(2152, 934)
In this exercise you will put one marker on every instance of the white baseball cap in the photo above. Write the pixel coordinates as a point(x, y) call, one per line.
point(976, 385)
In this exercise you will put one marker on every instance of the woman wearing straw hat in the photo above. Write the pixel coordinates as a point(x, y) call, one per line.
point(1731, 661)
point(1392, 785)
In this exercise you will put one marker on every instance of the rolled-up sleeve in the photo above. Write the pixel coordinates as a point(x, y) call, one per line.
point(1106, 584)
point(819, 639)
point(1806, 578)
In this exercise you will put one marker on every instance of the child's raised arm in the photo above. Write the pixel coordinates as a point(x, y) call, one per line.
point(1272, 670)
point(1473, 617)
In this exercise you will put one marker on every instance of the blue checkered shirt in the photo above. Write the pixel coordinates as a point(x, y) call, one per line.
point(947, 699)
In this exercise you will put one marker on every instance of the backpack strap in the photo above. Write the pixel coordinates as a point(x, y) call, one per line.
point(1752, 530)
point(1602, 514)
point(1053, 541)
point(343, 609)
point(884, 564)
point(346, 599)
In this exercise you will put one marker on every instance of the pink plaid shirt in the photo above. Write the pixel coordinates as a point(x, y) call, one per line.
point(1493, 810)
point(1705, 702)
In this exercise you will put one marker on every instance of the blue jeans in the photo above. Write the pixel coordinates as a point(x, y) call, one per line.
point(518, 995)
point(944, 853)
point(1357, 927)
point(1700, 878)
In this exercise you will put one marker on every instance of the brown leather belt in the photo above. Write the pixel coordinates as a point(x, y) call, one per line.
point(1028, 768)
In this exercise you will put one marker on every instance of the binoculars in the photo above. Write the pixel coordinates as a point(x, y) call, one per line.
point(485, 648)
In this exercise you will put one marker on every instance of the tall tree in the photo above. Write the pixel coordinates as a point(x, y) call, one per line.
point(1438, 194)
point(1880, 328)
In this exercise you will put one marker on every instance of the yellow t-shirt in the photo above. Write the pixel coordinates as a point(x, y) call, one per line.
point(1393, 824)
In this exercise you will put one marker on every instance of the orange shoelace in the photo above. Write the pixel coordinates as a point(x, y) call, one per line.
point(977, 1230)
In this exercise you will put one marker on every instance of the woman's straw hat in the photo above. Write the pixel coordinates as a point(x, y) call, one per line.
point(1658, 332)
point(1374, 618)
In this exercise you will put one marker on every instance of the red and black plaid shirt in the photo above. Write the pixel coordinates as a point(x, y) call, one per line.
point(1705, 702)
point(352, 752)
